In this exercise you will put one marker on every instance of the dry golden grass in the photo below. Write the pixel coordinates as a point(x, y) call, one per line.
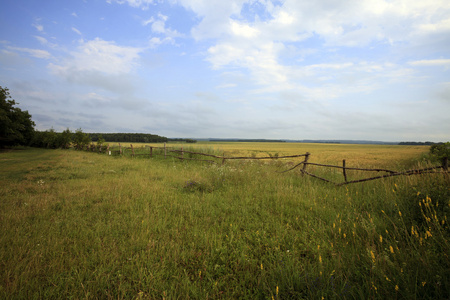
point(368, 156)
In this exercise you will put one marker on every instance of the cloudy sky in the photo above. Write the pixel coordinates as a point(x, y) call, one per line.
point(291, 69)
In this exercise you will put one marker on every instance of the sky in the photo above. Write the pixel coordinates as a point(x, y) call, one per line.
point(269, 69)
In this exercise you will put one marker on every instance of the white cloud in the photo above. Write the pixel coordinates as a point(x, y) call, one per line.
point(156, 41)
point(158, 26)
point(243, 30)
point(99, 56)
point(144, 4)
point(38, 53)
point(41, 39)
point(259, 39)
point(39, 27)
point(76, 31)
point(431, 63)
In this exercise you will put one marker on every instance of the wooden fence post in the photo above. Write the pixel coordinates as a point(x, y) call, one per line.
point(305, 162)
point(165, 150)
point(223, 158)
point(132, 150)
point(181, 152)
point(151, 152)
point(445, 164)
point(120, 149)
point(343, 170)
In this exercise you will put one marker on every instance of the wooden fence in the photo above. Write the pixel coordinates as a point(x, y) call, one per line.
point(303, 164)
point(390, 173)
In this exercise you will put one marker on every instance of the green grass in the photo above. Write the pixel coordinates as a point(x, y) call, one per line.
point(84, 225)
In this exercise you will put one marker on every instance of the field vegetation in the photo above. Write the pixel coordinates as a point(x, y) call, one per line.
point(83, 225)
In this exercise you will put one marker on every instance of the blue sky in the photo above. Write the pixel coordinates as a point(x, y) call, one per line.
point(293, 69)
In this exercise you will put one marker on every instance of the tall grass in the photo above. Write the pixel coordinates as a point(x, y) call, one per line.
point(82, 225)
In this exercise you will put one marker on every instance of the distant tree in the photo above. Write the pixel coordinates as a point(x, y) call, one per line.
point(64, 139)
point(81, 139)
point(16, 126)
point(100, 141)
point(191, 141)
point(50, 138)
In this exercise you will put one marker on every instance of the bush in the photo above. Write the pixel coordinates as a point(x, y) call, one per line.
point(440, 151)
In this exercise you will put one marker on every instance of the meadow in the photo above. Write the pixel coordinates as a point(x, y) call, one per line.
point(83, 225)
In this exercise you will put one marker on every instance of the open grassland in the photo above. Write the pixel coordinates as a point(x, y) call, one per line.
point(84, 225)
point(369, 156)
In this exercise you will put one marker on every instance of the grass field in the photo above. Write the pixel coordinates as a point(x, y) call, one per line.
point(356, 155)
point(83, 225)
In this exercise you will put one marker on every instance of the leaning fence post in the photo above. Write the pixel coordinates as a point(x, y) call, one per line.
point(343, 170)
point(305, 162)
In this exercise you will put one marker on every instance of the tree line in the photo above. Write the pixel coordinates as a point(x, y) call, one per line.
point(17, 128)
point(128, 137)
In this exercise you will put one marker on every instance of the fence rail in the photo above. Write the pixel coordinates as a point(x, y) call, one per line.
point(428, 170)
point(303, 164)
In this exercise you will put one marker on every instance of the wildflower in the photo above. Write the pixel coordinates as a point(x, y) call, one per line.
point(387, 279)
point(423, 283)
point(344, 235)
point(262, 268)
point(391, 249)
point(372, 255)
point(381, 239)
point(400, 213)
point(320, 259)
point(277, 289)
point(396, 288)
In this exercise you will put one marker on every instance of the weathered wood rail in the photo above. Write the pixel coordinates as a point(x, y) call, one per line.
point(391, 173)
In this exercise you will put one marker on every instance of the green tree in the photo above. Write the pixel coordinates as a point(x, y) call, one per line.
point(440, 151)
point(100, 142)
point(16, 126)
point(64, 139)
point(81, 139)
point(50, 138)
